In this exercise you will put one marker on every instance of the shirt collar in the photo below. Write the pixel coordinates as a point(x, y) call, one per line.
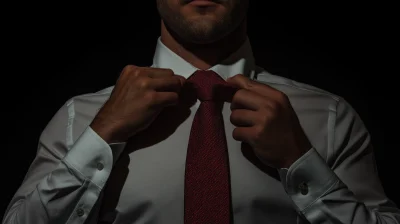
point(240, 62)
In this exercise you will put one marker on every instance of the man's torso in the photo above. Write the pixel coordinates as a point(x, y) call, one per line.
point(147, 183)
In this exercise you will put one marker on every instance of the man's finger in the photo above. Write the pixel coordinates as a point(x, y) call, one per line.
point(245, 99)
point(239, 81)
point(164, 99)
point(243, 134)
point(243, 118)
point(168, 84)
point(158, 72)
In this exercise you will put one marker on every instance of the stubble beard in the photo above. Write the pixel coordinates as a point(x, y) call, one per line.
point(196, 31)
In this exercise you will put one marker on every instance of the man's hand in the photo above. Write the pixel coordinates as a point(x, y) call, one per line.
point(138, 97)
point(265, 119)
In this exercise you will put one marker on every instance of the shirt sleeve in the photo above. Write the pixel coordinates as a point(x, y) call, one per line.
point(63, 183)
point(346, 188)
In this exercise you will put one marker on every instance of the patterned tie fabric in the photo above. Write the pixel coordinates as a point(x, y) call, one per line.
point(207, 183)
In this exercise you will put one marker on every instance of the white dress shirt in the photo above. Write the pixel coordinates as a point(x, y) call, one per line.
point(335, 182)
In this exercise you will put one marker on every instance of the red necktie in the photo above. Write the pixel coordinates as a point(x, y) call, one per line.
point(207, 183)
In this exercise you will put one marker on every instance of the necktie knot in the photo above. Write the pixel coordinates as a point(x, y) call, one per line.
point(209, 86)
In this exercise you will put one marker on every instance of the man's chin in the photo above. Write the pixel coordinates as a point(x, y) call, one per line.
point(196, 31)
point(199, 33)
point(201, 38)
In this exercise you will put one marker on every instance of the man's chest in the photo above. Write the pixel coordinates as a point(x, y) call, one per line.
point(147, 183)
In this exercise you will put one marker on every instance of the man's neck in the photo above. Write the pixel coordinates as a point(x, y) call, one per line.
point(204, 56)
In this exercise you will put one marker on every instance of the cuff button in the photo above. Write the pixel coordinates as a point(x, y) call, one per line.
point(100, 166)
point(303, 187)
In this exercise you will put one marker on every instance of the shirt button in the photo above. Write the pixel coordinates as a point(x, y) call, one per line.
point(100, 166)
point(80, 212)
point(303, 188)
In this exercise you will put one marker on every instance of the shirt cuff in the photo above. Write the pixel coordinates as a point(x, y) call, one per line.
point(93, 157)
point(307, 179)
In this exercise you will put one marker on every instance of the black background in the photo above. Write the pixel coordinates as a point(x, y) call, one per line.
point(52, 52)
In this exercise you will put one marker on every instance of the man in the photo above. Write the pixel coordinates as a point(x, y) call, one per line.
point(141, 152)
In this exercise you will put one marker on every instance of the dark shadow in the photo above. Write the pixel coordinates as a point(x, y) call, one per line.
point(249, 154)
point(113, 189)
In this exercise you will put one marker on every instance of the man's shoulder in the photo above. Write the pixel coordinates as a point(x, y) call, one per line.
point(293, 88)
point(320, 112)
point(307, 99)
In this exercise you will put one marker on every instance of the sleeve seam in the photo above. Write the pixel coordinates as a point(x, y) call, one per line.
point(332, 144)
point(56, 154)
point(70, 122)
point(334, 128)
point(50, 149)
point(41, 202)
point(84, 177)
